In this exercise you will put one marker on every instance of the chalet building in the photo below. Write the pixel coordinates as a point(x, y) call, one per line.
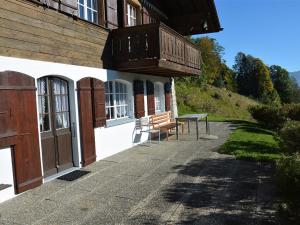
point(75, 74)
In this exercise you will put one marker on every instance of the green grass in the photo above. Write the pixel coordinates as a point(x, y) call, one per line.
point(220, 104)
point(251, 142)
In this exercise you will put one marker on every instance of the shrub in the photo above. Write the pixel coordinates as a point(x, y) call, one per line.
point(268, 116)
point(292, 111)
point(217, 96)
point(288, 180)
point(289, 137)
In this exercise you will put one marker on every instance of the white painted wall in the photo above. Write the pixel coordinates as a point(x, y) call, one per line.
point(110, 140)
point(6, 174)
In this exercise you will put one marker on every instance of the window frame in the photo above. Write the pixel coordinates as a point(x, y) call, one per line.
point(96, 9)
point(160, 99)
point(115, 106)
point(128, 17)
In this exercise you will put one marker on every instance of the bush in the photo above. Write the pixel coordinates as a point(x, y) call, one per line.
point(288, 180)
point(268, 116)
point(289, 137)
point(292, 111)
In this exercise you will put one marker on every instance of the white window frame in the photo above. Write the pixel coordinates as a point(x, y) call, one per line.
point(131, 15)
point(85, 11)
point(159, 98)
point(114, 106)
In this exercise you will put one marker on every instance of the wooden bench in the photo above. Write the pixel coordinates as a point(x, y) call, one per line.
point(163, 122)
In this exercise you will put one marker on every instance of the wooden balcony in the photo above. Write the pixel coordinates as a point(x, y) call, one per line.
point(154, 49)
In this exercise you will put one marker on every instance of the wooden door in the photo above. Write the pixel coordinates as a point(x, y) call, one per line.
point(54, 121)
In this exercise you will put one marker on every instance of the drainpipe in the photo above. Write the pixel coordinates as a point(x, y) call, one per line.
point(174, 109)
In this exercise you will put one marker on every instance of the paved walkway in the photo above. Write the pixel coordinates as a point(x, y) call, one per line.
point(183, 182)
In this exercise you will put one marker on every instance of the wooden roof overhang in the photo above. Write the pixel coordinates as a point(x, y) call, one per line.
point(189, 17)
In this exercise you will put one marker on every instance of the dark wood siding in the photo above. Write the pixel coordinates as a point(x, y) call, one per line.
point(168, 96)
point(18, 120)
point(139, 99)
point(33, 32)
point(88, 148)
point(150, 98)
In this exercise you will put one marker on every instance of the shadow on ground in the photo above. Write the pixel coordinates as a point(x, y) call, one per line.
point(224, 191)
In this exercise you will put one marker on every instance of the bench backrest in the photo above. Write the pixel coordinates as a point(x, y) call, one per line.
point(160, 119)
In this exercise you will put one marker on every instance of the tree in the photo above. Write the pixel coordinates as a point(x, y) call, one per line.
point(283, 83)
point(211, 53)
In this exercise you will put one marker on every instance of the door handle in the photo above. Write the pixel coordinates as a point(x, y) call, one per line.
point(73, 130)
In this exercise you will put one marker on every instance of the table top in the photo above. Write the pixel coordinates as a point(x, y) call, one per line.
point(193, 116)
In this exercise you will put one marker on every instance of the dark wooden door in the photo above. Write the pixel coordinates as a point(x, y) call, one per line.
point(54, 121)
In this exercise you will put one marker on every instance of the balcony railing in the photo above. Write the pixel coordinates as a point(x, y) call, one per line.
point(154, 49)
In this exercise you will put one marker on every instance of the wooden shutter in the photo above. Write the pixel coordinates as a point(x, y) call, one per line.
point(87, 135)
point(145, 16)
point(51, 3)
point(69, 6)
point(168, 96)
point(112, 14)
point(150, 98)
point(139, 98)
point(19, 116)
point(98, 95)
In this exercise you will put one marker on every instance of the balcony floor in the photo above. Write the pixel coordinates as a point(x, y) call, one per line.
point(157, 67)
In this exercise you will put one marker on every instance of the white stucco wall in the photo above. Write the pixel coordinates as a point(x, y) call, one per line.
point(6, 174)
point(109, 140)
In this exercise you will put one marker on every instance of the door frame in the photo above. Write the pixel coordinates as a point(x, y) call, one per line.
point(74, 125)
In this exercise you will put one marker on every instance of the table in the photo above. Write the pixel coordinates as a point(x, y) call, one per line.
point(192, 117)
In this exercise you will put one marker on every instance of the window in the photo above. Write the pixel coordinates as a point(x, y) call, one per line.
point(116, 100)
point(158, 98)
point(44, 105)
point(88, 10)
point(131, 15)
point(61, 108)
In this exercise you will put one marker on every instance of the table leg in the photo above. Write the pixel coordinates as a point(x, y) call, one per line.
point(176, 129)
point(197, 129)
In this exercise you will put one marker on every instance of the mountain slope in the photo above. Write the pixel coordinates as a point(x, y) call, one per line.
point(218, 103)
point(297, 76)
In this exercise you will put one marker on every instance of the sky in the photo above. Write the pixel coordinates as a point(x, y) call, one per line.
point(267, 29)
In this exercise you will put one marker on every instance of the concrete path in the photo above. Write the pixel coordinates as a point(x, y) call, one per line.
point(183, 182)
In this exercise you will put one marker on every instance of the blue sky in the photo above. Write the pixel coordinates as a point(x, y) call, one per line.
point(267, 29)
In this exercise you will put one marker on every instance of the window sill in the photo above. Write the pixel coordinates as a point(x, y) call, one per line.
point(118, 122)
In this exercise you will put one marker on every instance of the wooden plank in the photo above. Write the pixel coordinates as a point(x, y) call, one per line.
point(11, 52)
point(40, 32)
point(36, 47)
point(77, 51)
point(51, 16)
point(18, 17)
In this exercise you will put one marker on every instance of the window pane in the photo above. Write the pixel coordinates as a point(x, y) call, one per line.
point(112, 113)
point(89, 15)
point(65, 103)
point(66, 120)
point(58, 119)
point(118, 112)
point(89, 3)
point(42, 86)
point(106, 87)
point(110, 87)
point(64, 87)
point(81, 2)
point(46, 122)
point(45, 104)
point(95, 17)
point(111, 100)
point(81, 11)
point(117, 86)
point(56, 86)
point(57, 103)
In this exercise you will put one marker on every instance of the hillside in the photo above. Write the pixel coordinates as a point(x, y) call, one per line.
point(219, 103)
point(297, 76)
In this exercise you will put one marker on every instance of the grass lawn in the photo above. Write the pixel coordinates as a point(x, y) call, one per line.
point(252, 142)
